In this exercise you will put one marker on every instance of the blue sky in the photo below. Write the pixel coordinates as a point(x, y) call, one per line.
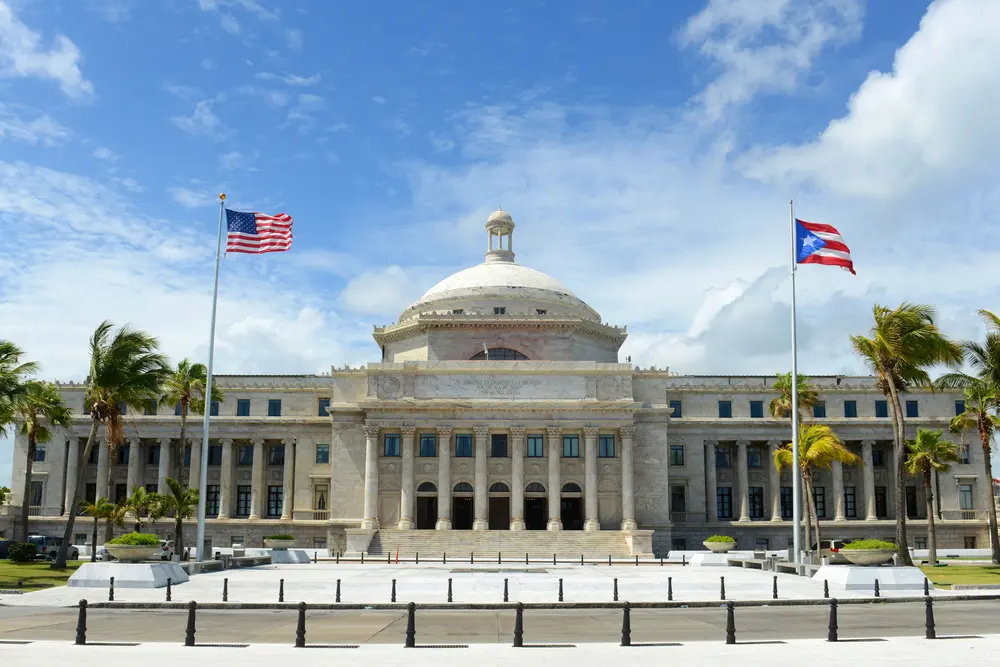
point(647, 151)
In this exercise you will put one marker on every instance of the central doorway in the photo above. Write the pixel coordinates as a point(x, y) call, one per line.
point(571, 507)
point(427, 506)
point(462, 507)
point(499, 506)
point(536, 509)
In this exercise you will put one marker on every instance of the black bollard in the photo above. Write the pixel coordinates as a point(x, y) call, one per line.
point(684, 560)
point(609, 560)
point(449, 589)
point(774, 588)
point(831, 634)
point(519, 626)
point(338, 558)
point(616, 589)
point(393, 591)
point(169, 595)
point(314, 557)
point(627, 625)
point(444, 558)
point(581, 559)
point(670, 589)
point(411, 632)
point(661, 561)
point(388, 558)
point(300, 628)
point(560, 590)
point(189, 632)
point(338, 590)
point(81, 625)
point(472, 558)
point(505, 589)
point(876, 588)
point(417, 554)
point(826, 588)
point(499, 558)
point(362, 557)
point(225, 589)
point(553, 559)
point(281, 590)
point(730, 623)
point(525, 557)
point(926, 588)
point(722, 588)
point(637, 560)
point(111, 590)
point(929, 618)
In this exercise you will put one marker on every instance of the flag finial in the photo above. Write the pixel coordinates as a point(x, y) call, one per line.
point(222, 196)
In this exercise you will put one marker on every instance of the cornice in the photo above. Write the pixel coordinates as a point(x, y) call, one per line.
point(422, 323)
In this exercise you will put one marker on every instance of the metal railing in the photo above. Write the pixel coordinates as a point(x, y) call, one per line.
point(963, 515)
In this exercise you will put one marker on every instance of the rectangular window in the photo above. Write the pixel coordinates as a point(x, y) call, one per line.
point(322, 453)
point(725, 409)
point(571, 446)
point(723, 457)
point(274, 407)
point(428, 444)
point(959, 407)
point(276, 455)
point(755, 457)
point(215, 455)
point(151, 487)
point(969, 542)
point(213, 410)
point(90, 492)
point(244, 455)
point(756, 496)
point(965, 499)
point(541, 311)
point(850, 502)
point(675, 407)
point(498, 445)
point(323, 407)
point(390, 444)
point(912, 409)
point(724, 502)
point(212, 500)
point(463, 445)
point(121, 456)
point(243, 407)
point(187, 455)
point(499, 310)
point(237, 540)
point(881, 409)
point(819, 495)
point(678, 499)
point(92, 457)
point(676, 455)
point(761, 544)
point(964, 453)
point(274, 501)
point(606, 447)
point(320, 493)
point(911, 502)
point(36, 494)
point(850, 409)
point(786, 502)
point(819, 410)
point(920, 542)
point(149, 407)
point(122, 408)
point(177, 410)
point(756, 409)
point(881, 506)
point(243, 500)
point(40, 453)
point(878, 457)
point(153, 455)
point(535, 446)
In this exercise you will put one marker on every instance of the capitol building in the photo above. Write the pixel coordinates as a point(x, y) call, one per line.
point(500, 417)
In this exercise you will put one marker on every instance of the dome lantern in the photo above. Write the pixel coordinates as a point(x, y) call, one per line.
point(501, 227)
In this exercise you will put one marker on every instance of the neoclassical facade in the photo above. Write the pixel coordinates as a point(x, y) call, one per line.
point(500, 418)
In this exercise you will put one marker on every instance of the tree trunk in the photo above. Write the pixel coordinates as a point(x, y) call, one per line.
point(811, 509)
point(931, 535)
point(81, 471)
point(898, 439)
point(179, 465)
point(179, 535)
point(109, 530)
point(26, 500)
point(991, 507)
point(93, 544)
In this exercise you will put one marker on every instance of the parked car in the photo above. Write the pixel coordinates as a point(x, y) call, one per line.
point(48, 547)
point(166, 549)
point(830, 549)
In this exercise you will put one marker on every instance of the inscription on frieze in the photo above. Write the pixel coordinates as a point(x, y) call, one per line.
point(501, 386)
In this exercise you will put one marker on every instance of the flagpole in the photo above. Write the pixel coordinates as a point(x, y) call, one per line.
point(203, 482)
point(796, 511)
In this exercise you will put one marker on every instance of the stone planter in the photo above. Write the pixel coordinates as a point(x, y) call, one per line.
point(131, 553)
point(719, 547)
point(868, 556)
point(279, 545)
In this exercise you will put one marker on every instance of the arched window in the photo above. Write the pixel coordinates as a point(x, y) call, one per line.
point(499, 354)
point(534, 487)
point(499, 487)
point(572, 488)
point(463, 487)
point(427, 487)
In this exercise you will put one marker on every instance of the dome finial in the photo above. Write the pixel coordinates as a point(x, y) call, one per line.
point(501, 226)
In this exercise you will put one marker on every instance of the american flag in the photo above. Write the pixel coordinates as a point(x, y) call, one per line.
point(257, 233)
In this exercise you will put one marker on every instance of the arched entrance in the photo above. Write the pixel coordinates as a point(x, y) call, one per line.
point(536, 510)
point(462, 504)
point(427, 506)
point(571, 506)
point(499, 506)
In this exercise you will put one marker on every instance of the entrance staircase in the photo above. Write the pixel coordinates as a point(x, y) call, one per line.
point(512, 545)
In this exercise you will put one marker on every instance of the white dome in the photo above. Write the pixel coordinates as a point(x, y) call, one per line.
point(500, 275)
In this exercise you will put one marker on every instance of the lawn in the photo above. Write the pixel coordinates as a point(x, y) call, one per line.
point(963, 574)
point(34, 575)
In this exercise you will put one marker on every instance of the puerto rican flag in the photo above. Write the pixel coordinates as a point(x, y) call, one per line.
point(816, 243)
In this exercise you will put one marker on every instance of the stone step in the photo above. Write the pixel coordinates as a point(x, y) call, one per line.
point(511, 545)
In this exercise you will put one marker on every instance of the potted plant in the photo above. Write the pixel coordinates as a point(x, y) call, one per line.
point(868, 552)
point(719, 544)
point(133, 547)
point(279, 542)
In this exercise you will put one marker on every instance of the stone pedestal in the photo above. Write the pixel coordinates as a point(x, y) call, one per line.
point(290, 557)
point(358, 540)
point(862, 578)
point(708, 559)
point(640, 543)
point(127, 575)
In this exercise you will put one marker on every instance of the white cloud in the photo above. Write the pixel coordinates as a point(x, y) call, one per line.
point(933, 117)
point(378, 99)
point(42, 129)
point(202, 121)
point(290, 79)
point(106, 154)
point(115, 11)
point(237, 161)
point(229, 24)
point(765, 45)
point(192, 198)
point(294, 39)
point(22, 55)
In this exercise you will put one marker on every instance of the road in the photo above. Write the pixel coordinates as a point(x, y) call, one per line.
point(475, 627)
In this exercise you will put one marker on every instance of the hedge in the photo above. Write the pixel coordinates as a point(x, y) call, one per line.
point(136, 539)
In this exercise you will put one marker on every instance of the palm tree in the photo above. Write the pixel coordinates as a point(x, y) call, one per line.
point(125, 368)
point(40, 402)
point(819, 447)
point(143, 504)
point(13, 375)
point(98, 509)
point(185, 386)
point(781, 405)
point(182, 503)
point(930, 452)
point(901, 345)
point(4, 491)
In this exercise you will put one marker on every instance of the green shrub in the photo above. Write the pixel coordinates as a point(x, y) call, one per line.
point(136, 540)
point(868, 544)
point(22, 552)
point(720, 538)
point(279, 537)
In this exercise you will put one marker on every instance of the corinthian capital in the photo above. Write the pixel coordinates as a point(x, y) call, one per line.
point(591, 431)
point(517, 432)
point(481, 431)
point(627, 431)
point(444, 431)
point(554, 432)
point(371, 430)
point(408, 430)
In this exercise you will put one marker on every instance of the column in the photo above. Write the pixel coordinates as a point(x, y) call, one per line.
point(72, 465)
point(406, 492)
point(256, 476)
point(869, 477)
point(164, 471)
point(555, 481)
point(837, 474)
point(444, 478)
point(103, 469)
point(370, 518)
point(482, 507)
point(194, 470)
point(288, 480)
point(135, 461)
point(590, 522)
point(774, 479)
point(628, 479)
point(711, 502)
point(517, 478)
point(742, 481)
point(226, 478)
point(890, 489)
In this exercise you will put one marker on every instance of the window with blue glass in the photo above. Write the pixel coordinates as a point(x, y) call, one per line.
point(498, 445)
point(92, 458)
point(322, 453)
point(187, 455)
point(725, 409)
point(463, 445)
point(153, 455)
point(606, 447)
point(245, 455)
point(819, 410)
point(881, 409)
point(677, 413)
point(571, 446)
point(122, 408)
point(755, 457)
point(324, 407)
point(276, 455)
point(536, 446)
point(850, 408)
point(676, 455)
point(274, 407)
point(724, 502)
point(428, 444)
point(390, 444)
point(912, 410)
point(213, 409)
point(149, 407)
point(121, 456)
point(243, 407)
point(723, 457)
point(40, 453)
point(756, 409)
point(212, 500)
point(177, 410)
point(959, 407)
point(786, 502)
point(215, 455)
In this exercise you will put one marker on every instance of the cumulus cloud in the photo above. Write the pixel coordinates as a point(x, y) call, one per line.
point(384, 292)
point(23, 55)
point(202, 121)
point(42, 129)
point(290, 79)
